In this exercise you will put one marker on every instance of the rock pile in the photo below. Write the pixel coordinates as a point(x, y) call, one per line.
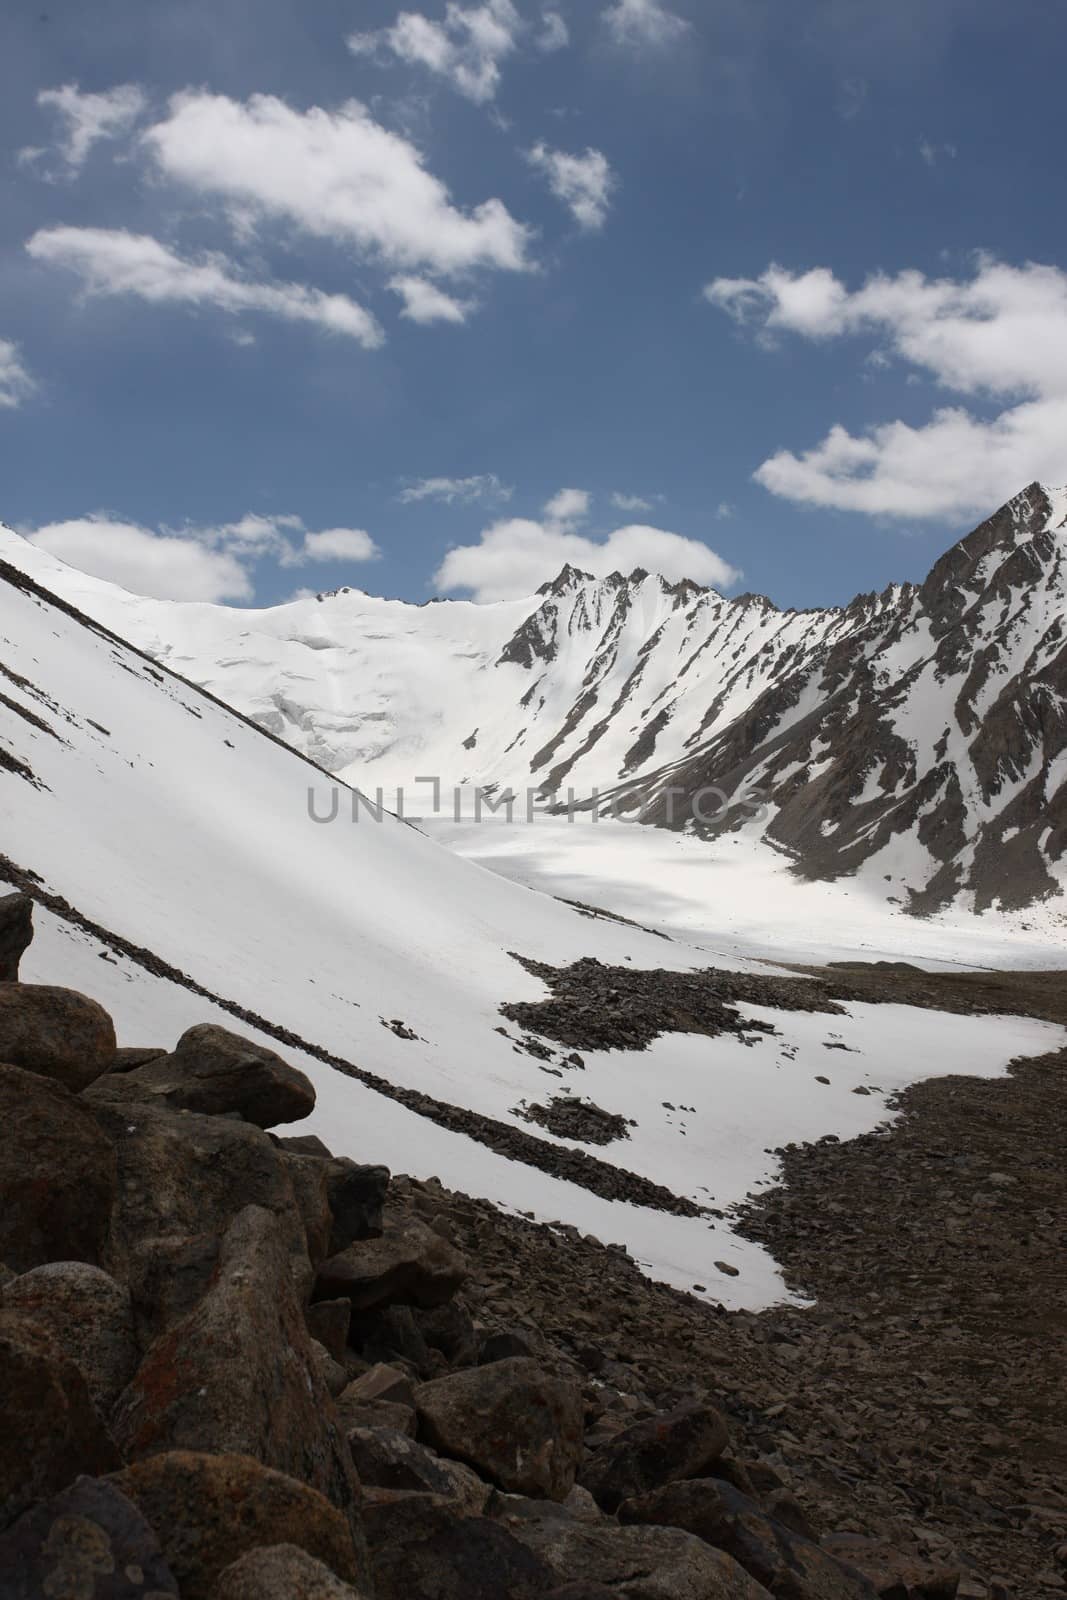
point(233, 1366)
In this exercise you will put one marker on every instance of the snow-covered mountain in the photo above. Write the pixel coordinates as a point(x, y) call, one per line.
point(180, 878)
point(919, 735)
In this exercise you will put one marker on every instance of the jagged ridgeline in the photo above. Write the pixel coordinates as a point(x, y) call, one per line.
point(917, 735)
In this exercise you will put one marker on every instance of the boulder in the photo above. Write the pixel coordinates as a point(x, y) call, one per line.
point(282, 1572)
point(127, 1057)
point(308, 1177)
point(16, 933)
point(58, 1033)
point(50, 1431)
point(90, 1318)
point(894, 1573)
point(419, 1547)
point(386, 1459)
point(450, 1330)
point(214, 1071)
point(208, 1510)
point(513, 1422)
point(305, 1144)
point(391, 1335)
point(634, 1563)
point(381, 1383)
point(375, 1414)
point(57, 1174)
point(408, 1265)
point(357, 1197)
point(89, 1542)
point(684, 1443)
point(167, 1278)
point(784, 1562)
point(328, 1322)
point(238, 1374)
point(182, 1176)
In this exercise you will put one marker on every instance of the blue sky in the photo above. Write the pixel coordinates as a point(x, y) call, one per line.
point(295, 296)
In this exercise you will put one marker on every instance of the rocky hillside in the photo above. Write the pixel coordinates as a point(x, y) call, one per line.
point(235, 1367)
point(916, 737)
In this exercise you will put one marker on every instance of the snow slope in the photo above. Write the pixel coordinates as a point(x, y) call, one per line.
point(177, 832)
point(917, 737)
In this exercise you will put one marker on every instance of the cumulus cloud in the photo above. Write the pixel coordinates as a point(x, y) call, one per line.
point(999, 335)
point(514, 557)
point(424, 302)
point(114, 262)
point(554, 34)
point(638, 24)
point(465, 49)
point(164, 566)
point(567, 508)
point(484, 486)
point(195, 563)
point(584, 183)
point(337, 175)
point(630, 502)
point(15, 381)
point(88, 119)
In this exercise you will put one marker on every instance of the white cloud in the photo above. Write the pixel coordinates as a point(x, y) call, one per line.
point(724, 511)
point(583, 183)
point(630, 502)
point(636, 23)
point(194, 563)
point(554, 35)
point(513, 558)
point(113, 262)
point(568, 508)
point(1000, 335)
point(484, 486)
point(337, 175)
point(466, 48)
point(340, 544)
point(161, 565)
point(933, 153)
point(15, 381)
point(90, 118)
point(424, 302)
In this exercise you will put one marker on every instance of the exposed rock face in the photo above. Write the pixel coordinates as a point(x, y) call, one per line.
point(639, 1563)
point(515, 1423)
point(16, 933)
point(57, 1174)
point(238, 1374)
point(51, 1430)
point(55, 1032)
point(89, 1316)
point(386, 1459)
point(213, 1070)
point(210, 1509)
point(87, 1543)
point(785, 1563)
point(408, 1265)
point(282, 1572)
point(680, 1444)
point(419, 1547)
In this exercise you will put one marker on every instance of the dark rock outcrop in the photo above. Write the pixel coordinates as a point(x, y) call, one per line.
point(58, 1033)
point(16, 933)
point(408, 1265)
point(513, 1422)
point(90, 1317)
point(89, 1542)
point(684, 1443)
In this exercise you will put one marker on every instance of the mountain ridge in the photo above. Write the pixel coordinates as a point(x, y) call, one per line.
point(642, 695)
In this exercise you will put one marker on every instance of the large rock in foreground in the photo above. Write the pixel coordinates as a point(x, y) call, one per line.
point(16, 933)
point(282, 1572)
point(408, 1265)
point(90, 1318)
point(210, 1509)
point(685, 1443)
point(419, 1548)
point(58, 1033)
point(50, 1431)
point(214, 1071)
point(87, 1543)
point(57, 1174)
point(783, 1561)
point(238, 1374)
point(513, 1422)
